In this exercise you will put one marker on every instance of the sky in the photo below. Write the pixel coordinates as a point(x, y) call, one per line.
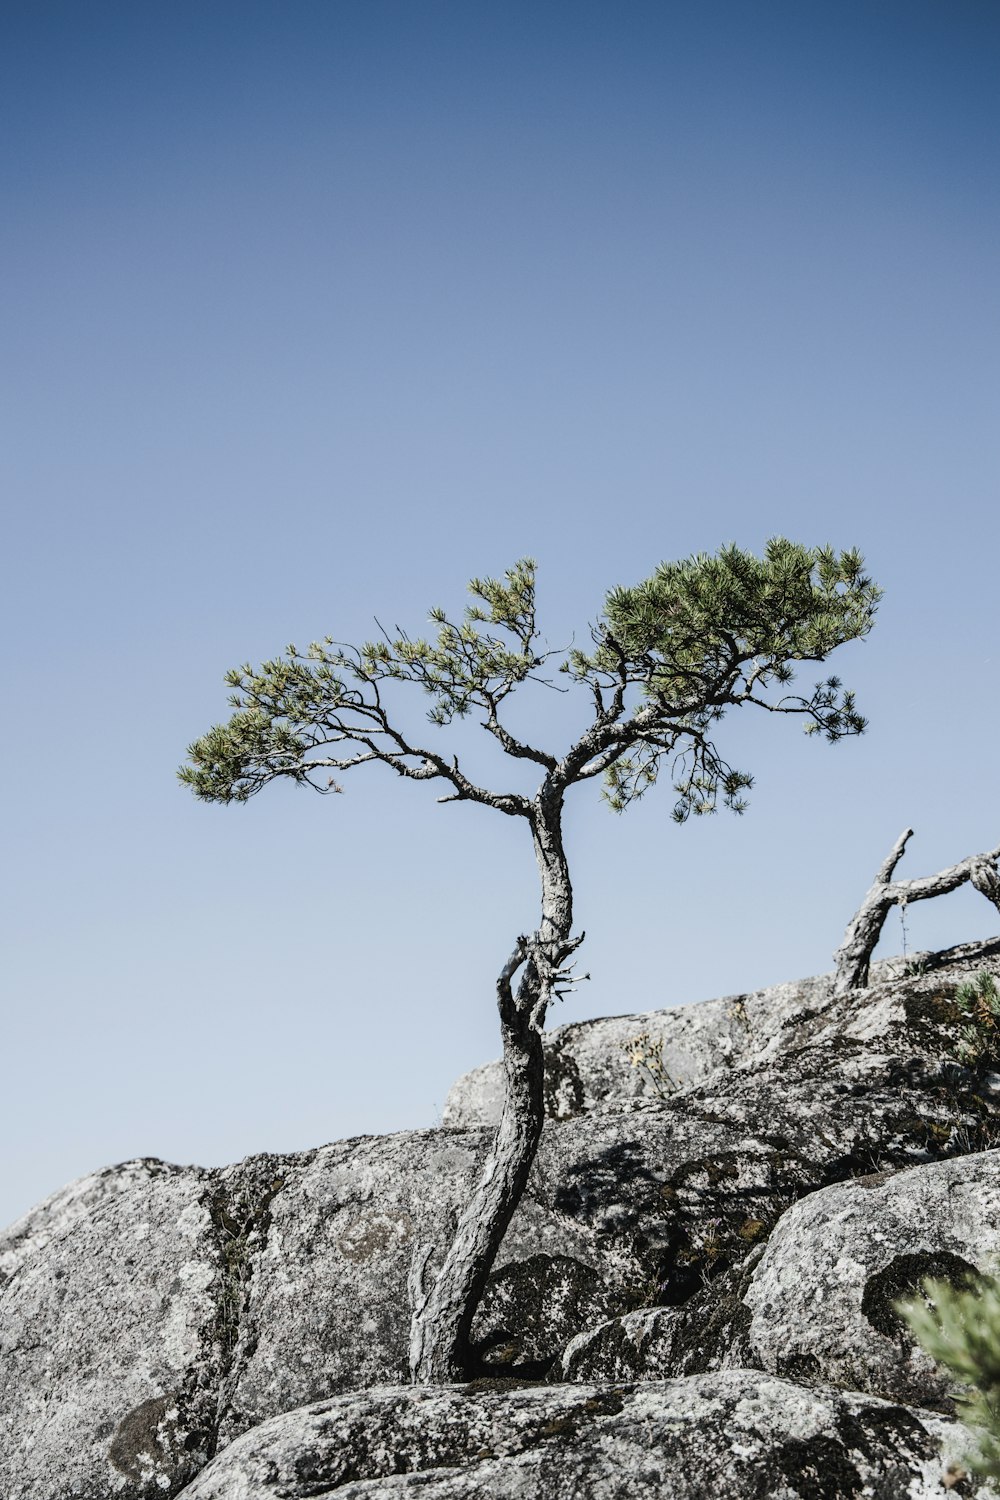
point(313, 311)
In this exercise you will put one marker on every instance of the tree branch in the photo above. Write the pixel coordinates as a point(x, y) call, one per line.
point(505, 994)
point(892, 859)
point(514, 747)
point(984, 878)
point(853, 957)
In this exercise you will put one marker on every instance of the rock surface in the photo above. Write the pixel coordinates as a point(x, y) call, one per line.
point(108, 1356)
point(733, 1436)
point(587, 1062)
point(295, 1286)
point(152, 1315)
point(820, 1300)
point(326, 1309)
point(78, 1200)
point(641, 1345)
point(817, 1301)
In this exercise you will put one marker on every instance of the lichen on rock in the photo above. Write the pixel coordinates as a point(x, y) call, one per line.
point(740, 1435)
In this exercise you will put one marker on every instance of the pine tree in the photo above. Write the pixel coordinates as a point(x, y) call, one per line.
point(668, 658)
point(960, 1328)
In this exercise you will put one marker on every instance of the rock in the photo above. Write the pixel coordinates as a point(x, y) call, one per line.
point(587, 1062)
point(326, 1306)
point(820, 1301)
point(817, 1301)
point(126, 1363)
point(291, 1284)
point(80, 1199)
point(738, 1435)
point(109, 1360)
point(655, 1342)
point(533, 1307)
point(639, 1345)
point(618, 1210)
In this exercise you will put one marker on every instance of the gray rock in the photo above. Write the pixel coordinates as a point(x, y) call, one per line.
point(620, 1210)
point(817, 1301)
point(326, 1307)
point(739, 1435)
point(533, 1307)
point(290, 1285)
point(587, 1062)
point(108, 1352)
point(640, 1345)
point(656, 1342)
point(153, 1314)
point(820, 1301)
point(78, 1200)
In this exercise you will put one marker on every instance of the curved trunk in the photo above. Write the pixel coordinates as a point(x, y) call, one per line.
point(442, 1316)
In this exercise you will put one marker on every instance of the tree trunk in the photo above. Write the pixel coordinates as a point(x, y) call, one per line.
point(442, 1317)
point(853, 957)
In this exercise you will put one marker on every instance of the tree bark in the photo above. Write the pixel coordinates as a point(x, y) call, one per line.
point(853, 957)
point(442, 1316)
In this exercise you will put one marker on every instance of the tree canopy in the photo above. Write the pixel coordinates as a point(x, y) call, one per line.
point(668, 657)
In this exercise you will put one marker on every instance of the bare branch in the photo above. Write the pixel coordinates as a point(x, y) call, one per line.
point(418, 764)
point(602, 762)
point(514, 747)
point(892, 859)
point(505, 996)
point(853, 957)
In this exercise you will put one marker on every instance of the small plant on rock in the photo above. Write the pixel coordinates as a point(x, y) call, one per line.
point(707, 1247)
point(645, 1054)
point(978, 1001)
point(960, 1328)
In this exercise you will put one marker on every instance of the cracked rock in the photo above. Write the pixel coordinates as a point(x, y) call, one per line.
point(152, 1315)
point(817, 1302)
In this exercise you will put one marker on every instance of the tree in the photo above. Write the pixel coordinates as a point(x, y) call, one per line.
point(667, 659)
point(853, 957)
point(959, 1326)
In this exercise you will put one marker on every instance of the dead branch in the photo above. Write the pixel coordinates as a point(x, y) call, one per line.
point(853, 957)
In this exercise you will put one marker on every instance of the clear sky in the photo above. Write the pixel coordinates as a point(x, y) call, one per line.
point(310, 312)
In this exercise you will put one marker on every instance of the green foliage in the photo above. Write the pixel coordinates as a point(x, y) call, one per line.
point(465, 666)
point(960, 1328)
point(794, 603)
point(329, 694)
point(978, 1000)
point(234, 760)
point(714, 631)
point(670, 657)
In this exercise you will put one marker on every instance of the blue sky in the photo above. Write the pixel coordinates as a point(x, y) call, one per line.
point(313, 311)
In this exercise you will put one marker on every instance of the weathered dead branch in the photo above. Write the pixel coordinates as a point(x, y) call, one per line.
point(853, 957)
